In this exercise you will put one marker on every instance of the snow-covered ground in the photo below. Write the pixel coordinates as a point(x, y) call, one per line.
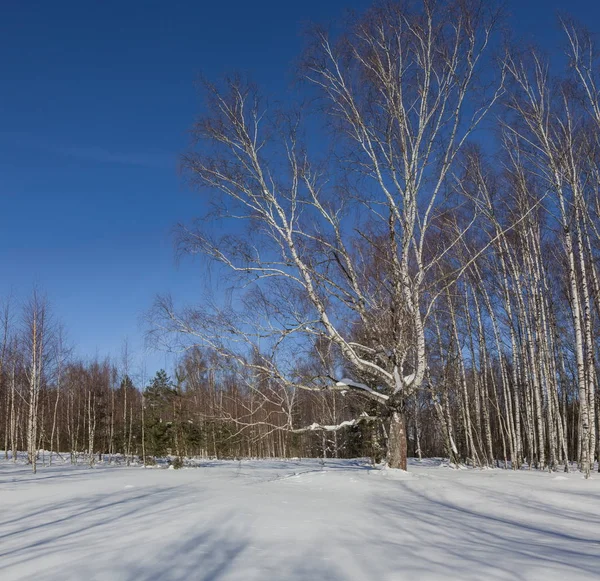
point(296, 521)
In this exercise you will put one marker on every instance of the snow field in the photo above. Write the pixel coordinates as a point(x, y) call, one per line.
point(296, 521)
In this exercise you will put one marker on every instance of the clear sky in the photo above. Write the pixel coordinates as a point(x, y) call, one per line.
point(96, 98)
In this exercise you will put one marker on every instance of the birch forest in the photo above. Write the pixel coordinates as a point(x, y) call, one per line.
point(425, 284)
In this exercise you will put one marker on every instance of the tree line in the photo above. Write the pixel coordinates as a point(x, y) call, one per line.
point(54, 405)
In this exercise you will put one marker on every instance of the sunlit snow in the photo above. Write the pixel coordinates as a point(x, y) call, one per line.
point(296, 521)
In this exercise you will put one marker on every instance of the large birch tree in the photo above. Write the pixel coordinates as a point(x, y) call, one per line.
point(402, 93)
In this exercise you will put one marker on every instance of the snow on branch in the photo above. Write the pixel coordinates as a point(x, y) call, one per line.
point(361, 386)
point(314, 427)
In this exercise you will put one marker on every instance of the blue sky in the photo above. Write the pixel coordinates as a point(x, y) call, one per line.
point(95, 101)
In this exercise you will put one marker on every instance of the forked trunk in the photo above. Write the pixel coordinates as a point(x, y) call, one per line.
point(396, 453)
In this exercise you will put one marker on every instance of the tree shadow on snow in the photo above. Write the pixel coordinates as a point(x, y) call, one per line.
point(212, 551)
point(74, 539)
point(436, 536)
point(61, 527)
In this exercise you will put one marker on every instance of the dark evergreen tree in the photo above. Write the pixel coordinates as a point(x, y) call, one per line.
point(159, 430)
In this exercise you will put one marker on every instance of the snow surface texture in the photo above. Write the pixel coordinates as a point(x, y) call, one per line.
point(296, 521)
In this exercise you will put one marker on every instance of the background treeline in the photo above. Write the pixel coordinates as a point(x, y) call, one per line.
point(53, 403)
point(496, 405)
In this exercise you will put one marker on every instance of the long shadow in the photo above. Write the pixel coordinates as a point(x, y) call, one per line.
point(205, 554)
point(466, 534)
point(102, 510)
point(223, 548)
point(23, 474)
point(534, 504)
point(209, 551)
point(89, 520)
point(83, 506)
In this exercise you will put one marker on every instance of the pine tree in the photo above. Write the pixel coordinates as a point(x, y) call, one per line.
point(159, 429)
